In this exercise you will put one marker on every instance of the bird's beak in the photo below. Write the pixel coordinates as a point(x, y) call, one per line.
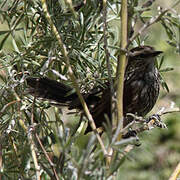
point(156, 53)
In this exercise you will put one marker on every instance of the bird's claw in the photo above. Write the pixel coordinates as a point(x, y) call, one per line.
point(155, 120)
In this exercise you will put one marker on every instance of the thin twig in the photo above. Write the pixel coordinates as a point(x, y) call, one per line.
point(72, 76)
point(16, 155)
point(70, 5)
point(32, 144)
point(106, 45)
point(150, 22)
point(47, 157)
point(146, 25)
point(34, 157)
point(108, 68)
point(170, 111)
point(39, 141)
point(8, 104)
point(107, 55)
point(76, 8)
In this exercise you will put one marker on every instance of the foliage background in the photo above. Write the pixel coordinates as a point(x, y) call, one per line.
point(30, 48)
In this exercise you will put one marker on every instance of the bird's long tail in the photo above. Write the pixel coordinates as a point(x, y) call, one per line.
point(50, 89)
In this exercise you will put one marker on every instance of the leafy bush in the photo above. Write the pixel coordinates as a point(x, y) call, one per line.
point(36, 139)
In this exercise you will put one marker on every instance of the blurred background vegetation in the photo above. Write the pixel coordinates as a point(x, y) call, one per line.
point(28, 47)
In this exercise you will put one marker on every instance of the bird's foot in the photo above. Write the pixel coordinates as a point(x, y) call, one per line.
point(155, 121)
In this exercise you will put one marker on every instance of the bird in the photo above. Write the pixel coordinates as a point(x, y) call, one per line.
point(140, 93)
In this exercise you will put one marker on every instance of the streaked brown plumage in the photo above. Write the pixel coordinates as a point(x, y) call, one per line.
point(141, 88)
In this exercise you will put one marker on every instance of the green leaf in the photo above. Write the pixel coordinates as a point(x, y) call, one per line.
point(164, 84)
point(166, 69)
point(4, 40)
point(4, 32)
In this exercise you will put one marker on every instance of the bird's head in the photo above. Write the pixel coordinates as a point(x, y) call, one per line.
point(143, 53)
point(142, 57)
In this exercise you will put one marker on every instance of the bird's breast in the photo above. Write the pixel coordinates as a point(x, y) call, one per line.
point(141, 92)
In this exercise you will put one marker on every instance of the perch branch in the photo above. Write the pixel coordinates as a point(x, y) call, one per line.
point(121, 64)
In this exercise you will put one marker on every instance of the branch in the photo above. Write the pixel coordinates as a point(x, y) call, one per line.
point(152, 20)
point(34, 157)
point(108, 159)
point(106, 45)
point(146, 25)
point(121, 64)
point(120, 71)
point(32, 145)
point(175, 173)
point(152, 121)
point(47, 157)
point(72, 76)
